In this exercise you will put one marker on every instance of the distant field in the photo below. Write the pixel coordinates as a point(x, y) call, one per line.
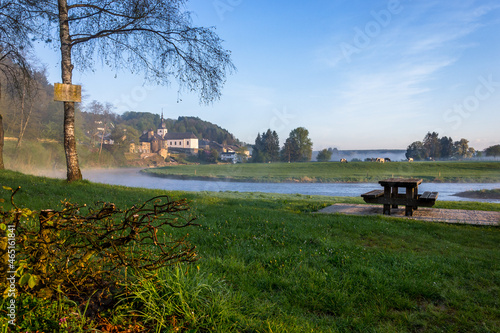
point(330, 172)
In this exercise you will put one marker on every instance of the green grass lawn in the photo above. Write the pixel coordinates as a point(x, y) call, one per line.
point(286, 269)
point(336, 171)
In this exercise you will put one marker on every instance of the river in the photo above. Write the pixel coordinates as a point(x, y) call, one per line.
point(133, 178)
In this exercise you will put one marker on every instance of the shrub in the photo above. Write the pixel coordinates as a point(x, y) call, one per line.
point(82, 251)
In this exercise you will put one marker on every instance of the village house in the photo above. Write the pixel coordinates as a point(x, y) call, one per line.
point(162, 142)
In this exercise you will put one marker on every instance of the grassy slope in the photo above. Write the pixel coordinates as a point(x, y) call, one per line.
point(291, 270)
point(335, 171)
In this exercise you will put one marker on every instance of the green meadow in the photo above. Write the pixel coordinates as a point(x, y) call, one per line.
point(336, 171)
point(269, 263)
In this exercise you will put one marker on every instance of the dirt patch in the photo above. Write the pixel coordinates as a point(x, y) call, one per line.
point(476, 217)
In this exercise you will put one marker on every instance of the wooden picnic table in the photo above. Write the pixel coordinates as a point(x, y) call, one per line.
point(390, 195)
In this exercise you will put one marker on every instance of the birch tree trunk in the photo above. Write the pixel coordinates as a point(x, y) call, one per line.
point(1, 143)
point(72, 165)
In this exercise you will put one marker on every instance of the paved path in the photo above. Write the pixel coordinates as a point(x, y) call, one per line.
point(477, 217)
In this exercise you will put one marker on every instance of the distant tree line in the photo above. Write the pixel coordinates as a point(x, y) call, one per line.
point(436, 148)
point(297, 147)
point(493, 151)
point(325, 155)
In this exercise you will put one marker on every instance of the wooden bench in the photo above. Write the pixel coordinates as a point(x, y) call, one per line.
point(427, 199)
point(373, 194)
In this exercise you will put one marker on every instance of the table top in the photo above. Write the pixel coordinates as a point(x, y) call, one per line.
point(401, 182)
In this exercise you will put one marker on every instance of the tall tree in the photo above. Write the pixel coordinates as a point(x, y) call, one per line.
point(14, 38)
point(446, 144)
point(155, 37)
point(258, 155)
point(298, 146)
point(290, 151)
point(272, 144)
point(432, 145)
point(462, 149)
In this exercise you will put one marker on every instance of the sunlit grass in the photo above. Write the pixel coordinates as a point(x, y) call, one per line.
point(283, 268)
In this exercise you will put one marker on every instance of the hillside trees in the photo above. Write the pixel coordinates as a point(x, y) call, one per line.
point(27, 98)
point(14, 38)
point(142, 121)
point(28, 107)
point(97, 120)
point(203, 130)
point(152, 37)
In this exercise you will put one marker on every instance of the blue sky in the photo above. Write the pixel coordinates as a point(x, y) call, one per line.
point(357, 74)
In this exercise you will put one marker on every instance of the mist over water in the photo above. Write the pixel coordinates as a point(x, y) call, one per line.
point(133, 178)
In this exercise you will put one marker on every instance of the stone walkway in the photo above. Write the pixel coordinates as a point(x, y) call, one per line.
point(476, 217)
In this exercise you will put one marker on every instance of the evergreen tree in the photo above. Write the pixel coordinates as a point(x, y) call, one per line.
point(432, 145)
point(272, 145)
point(290, 151)
point(266, 148)
point(446, 144)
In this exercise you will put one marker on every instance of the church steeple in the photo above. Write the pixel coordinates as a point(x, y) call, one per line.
point(162, 130)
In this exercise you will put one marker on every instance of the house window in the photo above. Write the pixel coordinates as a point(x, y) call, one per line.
point(180, 143)
point(175, 143)
point(187, 143)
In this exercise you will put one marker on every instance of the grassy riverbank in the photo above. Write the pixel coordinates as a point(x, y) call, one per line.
point(336, 172)
point(272, 265)
point(480, 194)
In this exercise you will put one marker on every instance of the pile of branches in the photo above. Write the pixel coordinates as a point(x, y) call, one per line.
point(81, 250)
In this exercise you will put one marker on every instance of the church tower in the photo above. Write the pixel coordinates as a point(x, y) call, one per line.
point(162, 130)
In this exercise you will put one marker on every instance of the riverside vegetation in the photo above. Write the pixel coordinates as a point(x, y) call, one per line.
point(336, 172)
point(269, 264)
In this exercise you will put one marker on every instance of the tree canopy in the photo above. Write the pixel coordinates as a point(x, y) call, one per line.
point(324, 155)
point(155, 38)
point(433, 147)
point(298, 146)
point(493, 151)
point(152, 37)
